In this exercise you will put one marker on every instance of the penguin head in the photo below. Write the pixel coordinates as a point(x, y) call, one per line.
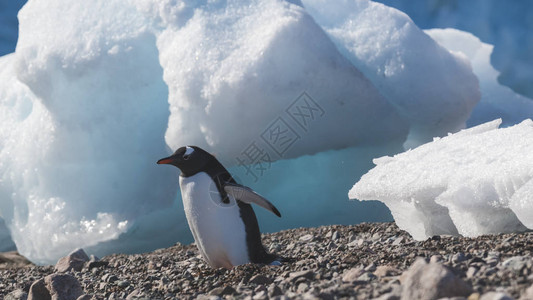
point(190, 160)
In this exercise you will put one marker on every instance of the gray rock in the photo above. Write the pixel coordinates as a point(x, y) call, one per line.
point(528, 294)
point(260, 279)
point(354, 243)
point(95, 262)
point(262, 295)
point(371, 267)
point(352, 274)
point(471, 272)
point(366, 277)
point(384, 271)
point(307, 238)
point(431, 281)
point(274, 290)
point(397, 241)
point(221, 291)
point(388, 296)
point(13, 259)
point(325, 296)
point(38, 291)
point(73, 261)
point(458, 257)
point(85, 297)
point(302, 287)
point(274, 247)
point(123, 283)
point(309, 274)
point(493, 258)
point(516, 263)
point(63, 286)
point(135, 294)
point(109, 278)
point(435, 258)
point(17, 295)
point(495, 296)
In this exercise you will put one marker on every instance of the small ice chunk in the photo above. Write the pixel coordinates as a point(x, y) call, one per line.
point(477, 181)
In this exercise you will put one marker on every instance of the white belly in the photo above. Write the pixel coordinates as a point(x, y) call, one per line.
point(217, 228)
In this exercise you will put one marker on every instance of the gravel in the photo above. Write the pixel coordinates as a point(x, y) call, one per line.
point(365, 261)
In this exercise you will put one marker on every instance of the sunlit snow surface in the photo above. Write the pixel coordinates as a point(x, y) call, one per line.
point(474, 182)
point(97, 91)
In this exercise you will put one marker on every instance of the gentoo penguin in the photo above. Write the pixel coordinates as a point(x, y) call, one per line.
point(218, 210)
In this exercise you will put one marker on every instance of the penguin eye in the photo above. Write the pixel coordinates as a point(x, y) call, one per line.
point(186, 157)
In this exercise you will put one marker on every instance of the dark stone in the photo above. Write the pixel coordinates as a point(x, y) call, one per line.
point(260, 279)
point(221, 291)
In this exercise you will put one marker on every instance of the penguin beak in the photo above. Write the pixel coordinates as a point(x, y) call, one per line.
point(165, 161)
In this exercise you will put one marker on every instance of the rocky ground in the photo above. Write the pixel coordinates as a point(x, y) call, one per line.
point(364, 261)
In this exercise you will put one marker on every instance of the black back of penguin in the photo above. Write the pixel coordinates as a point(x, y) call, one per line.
point(202, 161)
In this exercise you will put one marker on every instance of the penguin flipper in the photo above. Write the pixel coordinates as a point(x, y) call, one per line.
point(247, 195)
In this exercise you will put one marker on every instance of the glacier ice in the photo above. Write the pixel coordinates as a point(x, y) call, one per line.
point(401, 60)
point(506, 25)
point(497, 101)
point(83, 113)
point(474, 182)
point(242, 67)
point(97, 91)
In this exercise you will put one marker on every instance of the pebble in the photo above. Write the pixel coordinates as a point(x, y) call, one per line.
point(352, 274)
point(495, 296)
point(307, 238)
point(357, 262)
point(260, 279)
point(432, 281)
point(73, 261)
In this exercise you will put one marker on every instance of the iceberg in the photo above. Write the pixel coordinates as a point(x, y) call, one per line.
point(432, 88)
point(506, 25)
point(83, 109)
point(247, 65)
point(497, 101)
point(280, 91)
point(474, 182)
point(450, 190)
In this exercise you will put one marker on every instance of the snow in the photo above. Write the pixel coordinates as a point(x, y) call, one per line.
point(474, 182)
point(97, 91)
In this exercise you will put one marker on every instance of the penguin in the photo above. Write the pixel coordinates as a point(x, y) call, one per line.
point(218, 210)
